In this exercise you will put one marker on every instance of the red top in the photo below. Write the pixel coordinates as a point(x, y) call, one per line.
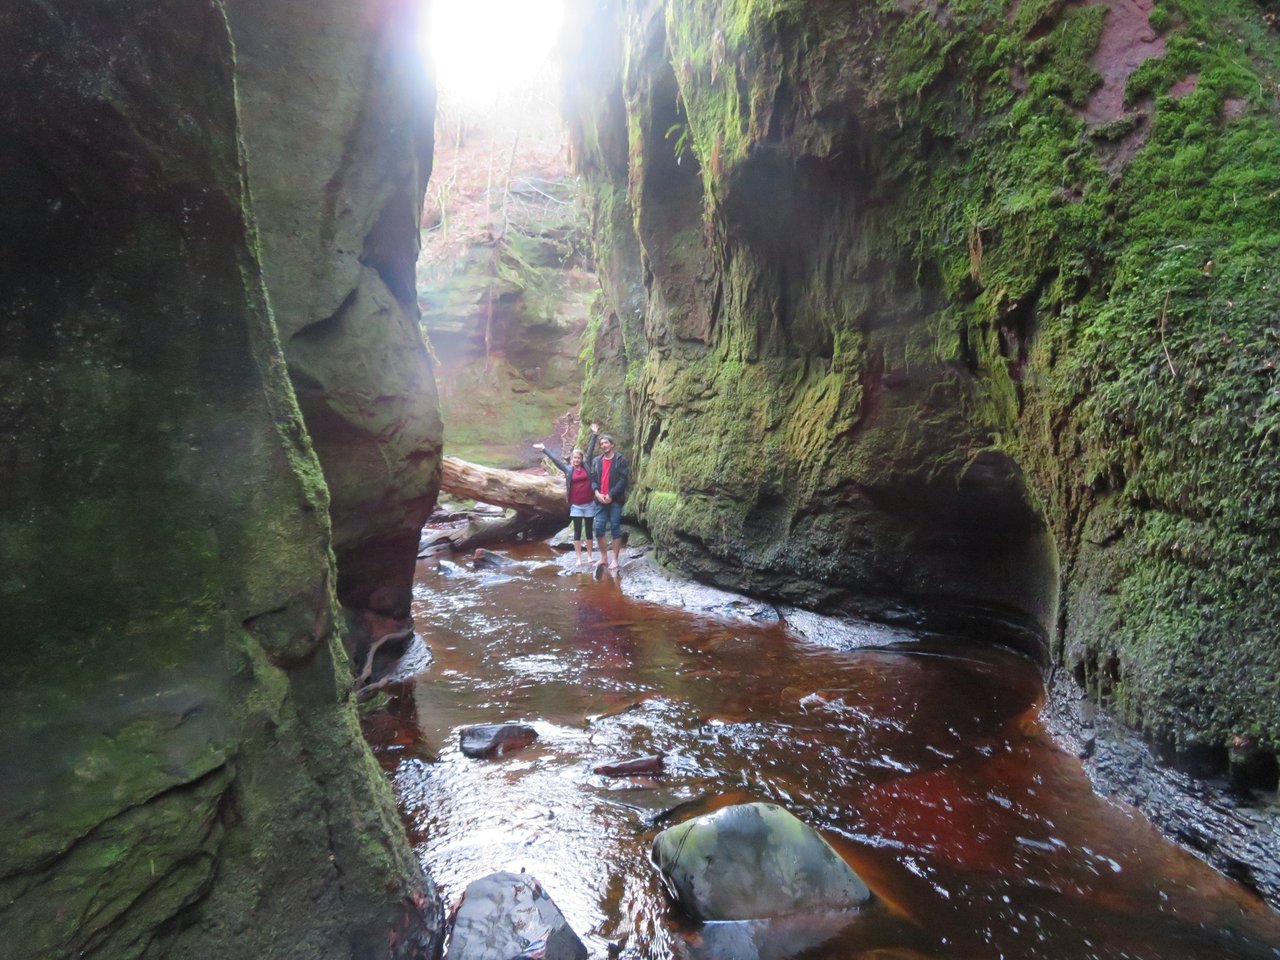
point(580, 487)
point(605, 464)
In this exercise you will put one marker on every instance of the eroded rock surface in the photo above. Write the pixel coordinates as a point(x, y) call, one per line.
point(899, 330)
point(181, 772)
point(337, 122)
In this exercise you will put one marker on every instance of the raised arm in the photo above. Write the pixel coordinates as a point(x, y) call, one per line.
point(564, 467)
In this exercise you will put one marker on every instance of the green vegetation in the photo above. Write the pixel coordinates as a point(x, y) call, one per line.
point(1095, 304)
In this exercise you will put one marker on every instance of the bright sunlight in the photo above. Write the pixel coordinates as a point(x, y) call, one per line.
point(487, 50)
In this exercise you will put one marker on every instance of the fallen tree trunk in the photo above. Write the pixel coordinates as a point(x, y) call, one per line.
point(504, 488)
point(539, 502)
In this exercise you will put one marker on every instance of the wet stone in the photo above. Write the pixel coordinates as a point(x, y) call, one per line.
point(509, 916)
point(754, 861)
point(635, 767)
point(495, 739)
point(488, 560)
point(780, 938)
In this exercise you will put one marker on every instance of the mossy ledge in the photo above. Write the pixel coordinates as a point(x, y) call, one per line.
point(958, 343)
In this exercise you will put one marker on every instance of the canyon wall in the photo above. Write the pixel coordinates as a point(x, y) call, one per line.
point(959, 314)
point(337, 121)
point(181, 771)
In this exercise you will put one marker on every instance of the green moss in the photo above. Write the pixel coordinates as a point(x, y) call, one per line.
point(1067, 51)
point(178, 715)
point(1109, 328)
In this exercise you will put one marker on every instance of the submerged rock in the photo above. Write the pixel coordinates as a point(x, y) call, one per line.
point(777, 939)
point(495, 739)
point(753, 861)
point(508, 916)
point(488, 560)
point(637, 766)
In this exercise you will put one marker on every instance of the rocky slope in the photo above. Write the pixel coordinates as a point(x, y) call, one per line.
point(960, 310)
point(181, 773)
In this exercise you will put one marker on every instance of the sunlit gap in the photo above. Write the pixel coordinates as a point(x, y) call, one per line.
point(503, 255)
point(490, 52)
point(500, 137)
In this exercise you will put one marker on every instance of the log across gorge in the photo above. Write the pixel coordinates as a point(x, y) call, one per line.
point(538, 502)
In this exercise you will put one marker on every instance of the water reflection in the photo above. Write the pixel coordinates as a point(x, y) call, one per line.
point(925, 766)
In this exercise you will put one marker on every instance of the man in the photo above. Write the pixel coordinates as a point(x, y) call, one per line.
point(609, 476)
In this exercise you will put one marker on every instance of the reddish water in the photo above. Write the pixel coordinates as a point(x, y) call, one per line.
point(924, 765)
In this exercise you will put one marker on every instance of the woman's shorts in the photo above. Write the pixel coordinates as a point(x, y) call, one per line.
point(583, 509)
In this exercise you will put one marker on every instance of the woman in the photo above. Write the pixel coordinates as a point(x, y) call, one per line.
point(578, 490)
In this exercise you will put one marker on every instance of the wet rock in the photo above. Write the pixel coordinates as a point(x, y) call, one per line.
point(432, 542)
point(842, 633)
point(647, 581)
point(488, 560)
point(563, 540)
point(754, 861)
point(508, 916)
point(635, 767)
point(777, 939)
point(496, 739)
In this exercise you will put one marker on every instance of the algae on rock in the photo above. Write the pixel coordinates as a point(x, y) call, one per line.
point(182, 773)
point(933, 316)
point(337, 121)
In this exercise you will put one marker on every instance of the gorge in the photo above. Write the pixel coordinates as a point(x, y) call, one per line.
point(954, 316)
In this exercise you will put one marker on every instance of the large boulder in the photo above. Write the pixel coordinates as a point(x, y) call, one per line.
point(753, 861)
point(509, 916)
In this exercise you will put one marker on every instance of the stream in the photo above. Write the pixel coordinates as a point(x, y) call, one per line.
point(923, 763)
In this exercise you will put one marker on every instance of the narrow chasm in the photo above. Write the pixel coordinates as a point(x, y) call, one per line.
point(600, 479)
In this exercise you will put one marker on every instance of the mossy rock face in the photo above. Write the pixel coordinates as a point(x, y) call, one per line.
point(181, 771)
point(337, 127)
point(974, 323)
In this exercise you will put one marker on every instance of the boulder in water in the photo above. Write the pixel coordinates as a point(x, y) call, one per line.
point(635, 767)
point(488, 560)
point(495, 739)
point(508, 916)
point(754, 861)
point(781, 938)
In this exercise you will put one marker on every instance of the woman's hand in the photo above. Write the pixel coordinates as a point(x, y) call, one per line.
point(595, 427)
point(539, 446)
